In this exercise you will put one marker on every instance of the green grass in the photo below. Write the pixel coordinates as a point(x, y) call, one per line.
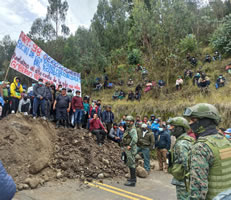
point(173, 103)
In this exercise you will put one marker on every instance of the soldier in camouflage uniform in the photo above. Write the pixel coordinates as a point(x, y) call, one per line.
point(129, 142)
point(210, 159)
point(179, 155)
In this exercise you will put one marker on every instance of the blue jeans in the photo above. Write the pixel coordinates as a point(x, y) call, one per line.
point(38, 102)
point(78, 116)
point(146, 154)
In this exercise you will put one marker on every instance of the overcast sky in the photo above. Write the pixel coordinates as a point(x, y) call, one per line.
point(18, 15)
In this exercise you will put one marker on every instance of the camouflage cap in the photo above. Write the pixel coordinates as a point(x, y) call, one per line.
point(129, 118)
point(203, 110)
point(179, 121)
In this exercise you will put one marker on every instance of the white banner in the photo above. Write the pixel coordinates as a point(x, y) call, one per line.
point(30, 60)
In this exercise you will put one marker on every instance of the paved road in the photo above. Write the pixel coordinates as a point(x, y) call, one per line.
point(157, 187)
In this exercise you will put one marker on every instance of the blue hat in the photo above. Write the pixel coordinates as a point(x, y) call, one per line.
point(228, 131)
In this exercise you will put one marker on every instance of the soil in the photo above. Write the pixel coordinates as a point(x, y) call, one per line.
point(33, 151)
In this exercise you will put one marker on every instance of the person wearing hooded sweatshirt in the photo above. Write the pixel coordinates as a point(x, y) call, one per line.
point(162, 144)
point(7, 185)
point(150, 122)
point(155, 126)
point(39, 91)
point(24, 105)
point(15, 90)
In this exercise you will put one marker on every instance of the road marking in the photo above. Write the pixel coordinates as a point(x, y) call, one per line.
point(112, 191)
point(124, 191)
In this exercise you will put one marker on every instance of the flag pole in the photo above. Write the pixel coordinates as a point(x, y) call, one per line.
point(8, 69)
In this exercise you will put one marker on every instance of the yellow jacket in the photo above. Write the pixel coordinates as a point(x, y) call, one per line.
point(15, 90)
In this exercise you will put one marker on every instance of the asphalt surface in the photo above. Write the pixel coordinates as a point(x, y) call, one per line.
point(157, 187)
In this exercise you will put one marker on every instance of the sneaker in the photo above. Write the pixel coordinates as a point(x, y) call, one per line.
point(12, 112)
point(44, 118)
point(25, 113)
point(34, 117)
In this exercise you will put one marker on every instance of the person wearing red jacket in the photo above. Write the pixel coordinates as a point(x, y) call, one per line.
point(97, 128)
point(77, 107)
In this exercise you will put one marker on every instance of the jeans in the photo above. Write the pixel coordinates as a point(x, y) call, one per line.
point(146, 154)
point(38, 102)
point(15, 102)
point(78, 116)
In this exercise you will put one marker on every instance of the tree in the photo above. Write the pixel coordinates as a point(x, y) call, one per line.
point(56, 12)
point(42, 30)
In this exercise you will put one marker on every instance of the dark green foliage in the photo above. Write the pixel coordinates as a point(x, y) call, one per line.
point(134, 57)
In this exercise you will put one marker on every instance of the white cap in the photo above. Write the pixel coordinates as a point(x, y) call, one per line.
point(144, 126)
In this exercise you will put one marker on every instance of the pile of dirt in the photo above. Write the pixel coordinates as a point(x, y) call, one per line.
point(78, 156)
point(26, 147)
point(33, 152)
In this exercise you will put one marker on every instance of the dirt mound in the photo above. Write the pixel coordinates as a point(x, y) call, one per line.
point(26, 145)
point(78, 156)
point(33, 151)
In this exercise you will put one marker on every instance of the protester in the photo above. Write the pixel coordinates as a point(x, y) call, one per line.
point(137, 96)
point(30, 94)
point(216, 56)
point(99, 111)
point(150, 122)
point(145, 120)
point(203, 81)
point(24, 105)
point(97, 128)
point(48, 100)
point(196, 78)
point(15, 90)
point(220, 81)
point(208, 58)
point(116, 94)
point(162, 144)
point(77, 106)
point(93, 109)
point(131, 96)
point(121, 95)
point(138, 120)
point(145, 144)
point(179, 83)
point(115, 133)
point(130, 83)
point(108, 118)
point(193, 61)
point(6, 98)
point(138, 88)
point(155, 126)
point(62, 105)
point(161, 84)
point(86, 110)
point(227, 133)
point(53, 112)
point(39, 91)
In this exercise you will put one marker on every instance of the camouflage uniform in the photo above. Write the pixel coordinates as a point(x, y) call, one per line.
point(130, 139)
point(181, 154)
point(210, 158)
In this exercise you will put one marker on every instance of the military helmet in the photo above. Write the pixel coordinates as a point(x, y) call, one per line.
point(203, 110)
point(179, 121)
point(129, 118)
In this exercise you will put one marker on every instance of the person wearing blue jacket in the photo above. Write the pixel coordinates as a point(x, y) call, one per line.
point(155, 127)
point(162, 144)
point(108, 118)
point(7, 185)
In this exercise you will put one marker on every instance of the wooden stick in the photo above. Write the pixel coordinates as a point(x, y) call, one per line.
point(7, 73)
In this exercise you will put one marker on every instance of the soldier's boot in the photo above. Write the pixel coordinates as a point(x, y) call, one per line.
point(132, 181)
point(57, 124)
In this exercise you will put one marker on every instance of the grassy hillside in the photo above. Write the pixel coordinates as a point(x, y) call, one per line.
point(170, 102)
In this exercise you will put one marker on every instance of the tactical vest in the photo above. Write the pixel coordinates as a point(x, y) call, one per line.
point(220, 173)
point(127, 137)
point(176, 169)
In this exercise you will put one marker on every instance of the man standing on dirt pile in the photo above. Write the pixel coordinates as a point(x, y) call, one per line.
point(108, 118)
point(145, 144)
point(39, 91)
point(77, 106)
point(179, 155)
point(62, 105)
point(15, 93)
point(129, 142)
point(210, 159)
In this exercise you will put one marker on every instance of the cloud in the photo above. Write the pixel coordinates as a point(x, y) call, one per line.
point(19, 15)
